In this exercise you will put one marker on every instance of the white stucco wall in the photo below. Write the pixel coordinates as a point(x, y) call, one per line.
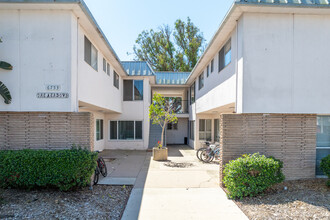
point(96, 87)
point(38, 45)
point(286, 63)
point(133, 111)
point(177, 136)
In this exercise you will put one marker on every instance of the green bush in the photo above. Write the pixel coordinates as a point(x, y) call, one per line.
point(63, 169)
point(325, 166)
point(250, 175)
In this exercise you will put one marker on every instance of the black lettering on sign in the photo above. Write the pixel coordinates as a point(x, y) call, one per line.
point(60, 95)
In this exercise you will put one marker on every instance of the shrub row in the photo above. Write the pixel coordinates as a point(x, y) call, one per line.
point(63, 169)
point(250, 175)
point(325, 166)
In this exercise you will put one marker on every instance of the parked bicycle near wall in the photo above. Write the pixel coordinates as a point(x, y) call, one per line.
point(208, 153)
point(100, 168)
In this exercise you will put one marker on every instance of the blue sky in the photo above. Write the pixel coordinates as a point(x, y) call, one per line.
point(123, 20)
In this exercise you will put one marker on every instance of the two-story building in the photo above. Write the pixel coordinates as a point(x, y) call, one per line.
point(260, 85)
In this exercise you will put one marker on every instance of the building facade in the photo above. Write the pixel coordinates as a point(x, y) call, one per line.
point(260, 85)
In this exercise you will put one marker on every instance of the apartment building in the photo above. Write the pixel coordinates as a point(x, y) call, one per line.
point(260, 85)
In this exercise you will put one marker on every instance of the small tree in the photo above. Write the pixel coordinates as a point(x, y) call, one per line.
point(163, 111)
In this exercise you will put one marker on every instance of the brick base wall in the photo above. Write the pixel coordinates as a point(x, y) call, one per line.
point(46, 130)
point(288, 137)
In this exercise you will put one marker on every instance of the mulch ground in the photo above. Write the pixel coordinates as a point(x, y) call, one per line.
point(103, 202)
point(303, 199)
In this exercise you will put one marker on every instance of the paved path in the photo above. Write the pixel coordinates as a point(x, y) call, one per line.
point(165, 192)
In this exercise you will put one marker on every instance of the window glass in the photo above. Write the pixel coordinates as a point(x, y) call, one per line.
point(212, 65)
point(208, 70)
point(225, 55)
point(192, 93)
point(115, 79)
point(94, 58)
point(104, 65)
point(99, 129)
point(201, 81)
point(216, 130)
point(126, 130)
point(322, 141)
point(108, 69)
point(138, 89)
point(113, 130)
point(128, 90)
point(87, 51)
point(138, 129)
point(205, 127)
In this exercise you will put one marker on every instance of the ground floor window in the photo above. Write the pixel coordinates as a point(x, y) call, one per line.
point(125, 130)
point(205, 129)
point(216, 130)
point(322, 141)
point(99, 129)
point(192, 130)
point(172, 126)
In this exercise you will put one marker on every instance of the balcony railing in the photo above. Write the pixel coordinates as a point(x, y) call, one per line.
point(181, 107)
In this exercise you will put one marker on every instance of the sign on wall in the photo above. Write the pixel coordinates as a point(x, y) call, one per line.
point(61, 95)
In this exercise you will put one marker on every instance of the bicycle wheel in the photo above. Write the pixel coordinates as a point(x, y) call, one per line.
point(199, 151)
point(206, 156)
point(96, 175)
point(102, 167)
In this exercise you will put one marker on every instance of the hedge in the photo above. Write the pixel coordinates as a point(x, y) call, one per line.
point(250, 175)
point(62, 169)
point(325, 166)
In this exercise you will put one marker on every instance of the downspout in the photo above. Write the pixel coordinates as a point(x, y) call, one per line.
point(77, 63)
point(236, 66)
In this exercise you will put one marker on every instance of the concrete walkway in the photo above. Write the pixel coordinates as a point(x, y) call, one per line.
point(165, 190)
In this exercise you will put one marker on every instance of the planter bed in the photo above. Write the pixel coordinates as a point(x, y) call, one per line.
point(303, 199)
point(103, 202)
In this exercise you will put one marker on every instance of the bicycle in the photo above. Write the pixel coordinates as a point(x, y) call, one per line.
point(208, 154)
point(100, 168)
point(200, 150)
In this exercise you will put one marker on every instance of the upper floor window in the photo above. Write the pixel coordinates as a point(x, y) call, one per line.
point(99, 129)
point(225, 55)
point(115, 79)
point(208, 70)
point(133, 90)
point(90, 54)
point(212, 65)
point(104, 65)
point(201, 81)
point(192, 93)
point(108, 69)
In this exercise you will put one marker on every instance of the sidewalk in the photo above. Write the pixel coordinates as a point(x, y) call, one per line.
point(164, 191)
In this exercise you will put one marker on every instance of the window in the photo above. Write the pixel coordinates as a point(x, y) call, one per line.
point(212, 65)
point(90, 54)
point(172, 126)
point(205, 129)
point(192, 93)
point(322, 141)
point(113, 130)
point(225, 55)
point(99, 129)
point(192, 130)
point(216, 130)
point(104, 65)
point(208, 70)
point(108, 69)
point(115, 79)
point(133, 90)
point(201, 81)
point(125, 130)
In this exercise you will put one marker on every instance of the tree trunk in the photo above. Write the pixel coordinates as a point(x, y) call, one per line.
point(162, 138)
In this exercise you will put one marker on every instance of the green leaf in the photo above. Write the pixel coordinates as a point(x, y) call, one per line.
point(4, 92)
point(6, 66)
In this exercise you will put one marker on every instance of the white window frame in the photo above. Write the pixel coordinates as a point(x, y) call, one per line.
point(133, 90)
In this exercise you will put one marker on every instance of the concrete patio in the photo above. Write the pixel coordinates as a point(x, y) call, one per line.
point(164, 191)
